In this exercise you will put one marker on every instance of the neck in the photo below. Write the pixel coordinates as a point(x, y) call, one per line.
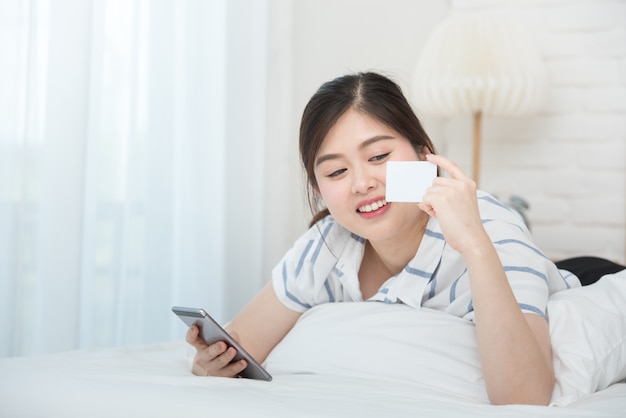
point(395, 254)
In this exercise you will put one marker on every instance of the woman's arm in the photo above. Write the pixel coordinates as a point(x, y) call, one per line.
point(259, 327)
point(263, 323)
point(514, 347)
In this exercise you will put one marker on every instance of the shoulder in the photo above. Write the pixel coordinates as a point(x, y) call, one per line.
point(326, 231)
point(490, 205)
point(319, 247)
point(495, 215)
point(302, 279)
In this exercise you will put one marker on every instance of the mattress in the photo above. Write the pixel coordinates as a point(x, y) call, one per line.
point(340, 360)
point(154, 381)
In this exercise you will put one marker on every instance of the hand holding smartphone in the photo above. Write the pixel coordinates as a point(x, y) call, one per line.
point(211, 332)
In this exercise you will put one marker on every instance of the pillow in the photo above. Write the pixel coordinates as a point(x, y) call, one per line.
point(588, 332)
point(431, 350)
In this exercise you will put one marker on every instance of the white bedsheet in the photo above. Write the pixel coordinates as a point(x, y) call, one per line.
point(340, 360)
point(154, 381)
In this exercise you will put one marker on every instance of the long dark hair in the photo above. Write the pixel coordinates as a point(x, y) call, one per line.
point(370, 93)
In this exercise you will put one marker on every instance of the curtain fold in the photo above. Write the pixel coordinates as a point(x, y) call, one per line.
point(116, 130)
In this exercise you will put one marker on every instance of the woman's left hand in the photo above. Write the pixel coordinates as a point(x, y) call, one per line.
point(452, 200)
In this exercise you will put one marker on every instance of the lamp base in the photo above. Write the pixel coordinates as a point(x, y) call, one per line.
point(477, 146)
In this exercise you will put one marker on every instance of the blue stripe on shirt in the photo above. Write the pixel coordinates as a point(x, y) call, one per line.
point(433, 287)
point(303, 257)
point(434, 234)
point(565, 278)
point(308, 248)
point(320, 242)
point(487, 220)
point(288, 294)
point(453, 287)
point(384, 291)
point(331, 297)
point(357, 238)
point(526, 270)
point(433, 282)
point(522, 306)
point(516, 241)
point(531, 308)
point(417, 272)
point(494, 202)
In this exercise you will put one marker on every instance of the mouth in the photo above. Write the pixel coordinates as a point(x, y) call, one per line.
point(371, 207)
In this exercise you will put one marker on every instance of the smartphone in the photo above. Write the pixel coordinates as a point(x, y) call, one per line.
point(212, 332)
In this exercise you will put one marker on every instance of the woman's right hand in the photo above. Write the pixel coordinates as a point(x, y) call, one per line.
point(214, 359)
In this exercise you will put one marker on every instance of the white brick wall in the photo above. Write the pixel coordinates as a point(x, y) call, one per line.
point(569, 162)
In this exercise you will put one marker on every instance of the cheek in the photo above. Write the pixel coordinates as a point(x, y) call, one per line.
point(330, 193)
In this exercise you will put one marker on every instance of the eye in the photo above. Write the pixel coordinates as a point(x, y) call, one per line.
point(380, 157)
point(337, 173)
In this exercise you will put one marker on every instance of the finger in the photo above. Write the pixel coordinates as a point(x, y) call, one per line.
point(235, 369)
point(444, 185)
point(231, 370)
point(452, 168)
point(222, 360)
point(223, 365)
point(217, 349)
point(193, 338)
point(208, 359)
point(427, 208)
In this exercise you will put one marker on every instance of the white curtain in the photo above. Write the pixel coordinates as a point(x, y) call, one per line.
point(131, 167)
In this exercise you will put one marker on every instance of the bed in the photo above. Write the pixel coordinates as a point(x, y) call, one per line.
point(356, 359)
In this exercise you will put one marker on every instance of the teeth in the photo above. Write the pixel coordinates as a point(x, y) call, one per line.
point(373, 206)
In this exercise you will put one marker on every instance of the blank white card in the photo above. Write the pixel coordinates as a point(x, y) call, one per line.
point(407, 181)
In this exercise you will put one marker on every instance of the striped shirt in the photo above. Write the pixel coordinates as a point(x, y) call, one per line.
point(322, 266)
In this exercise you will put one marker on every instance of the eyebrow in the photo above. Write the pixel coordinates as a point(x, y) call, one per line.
point(362, 146)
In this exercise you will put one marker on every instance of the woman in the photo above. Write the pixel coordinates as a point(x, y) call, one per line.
point(459, 251)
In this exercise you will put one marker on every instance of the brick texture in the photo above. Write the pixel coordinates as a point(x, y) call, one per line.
point(569, 161)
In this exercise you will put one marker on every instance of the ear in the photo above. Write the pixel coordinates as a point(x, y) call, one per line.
point(421, 155)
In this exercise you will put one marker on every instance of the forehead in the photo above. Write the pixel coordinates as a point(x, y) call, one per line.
point(351, 129)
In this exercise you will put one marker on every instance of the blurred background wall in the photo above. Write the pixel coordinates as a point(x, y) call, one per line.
point(568, 161)
point(148, 149)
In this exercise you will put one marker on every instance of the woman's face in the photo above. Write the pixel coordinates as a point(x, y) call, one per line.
point(350, 170)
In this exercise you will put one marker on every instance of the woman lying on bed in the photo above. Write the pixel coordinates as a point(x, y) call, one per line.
point(459, 250)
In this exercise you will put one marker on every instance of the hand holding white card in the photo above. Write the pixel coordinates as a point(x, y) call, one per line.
point(407, 181)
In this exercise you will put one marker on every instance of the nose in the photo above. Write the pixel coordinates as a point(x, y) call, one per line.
point(362, 181)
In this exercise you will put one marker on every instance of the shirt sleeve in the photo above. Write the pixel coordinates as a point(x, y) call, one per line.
point(300, 279)
point(531, 275)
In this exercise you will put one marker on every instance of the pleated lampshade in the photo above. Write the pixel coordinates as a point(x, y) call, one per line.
point(483, 64)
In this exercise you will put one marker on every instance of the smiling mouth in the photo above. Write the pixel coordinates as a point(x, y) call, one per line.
point(372, 206)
